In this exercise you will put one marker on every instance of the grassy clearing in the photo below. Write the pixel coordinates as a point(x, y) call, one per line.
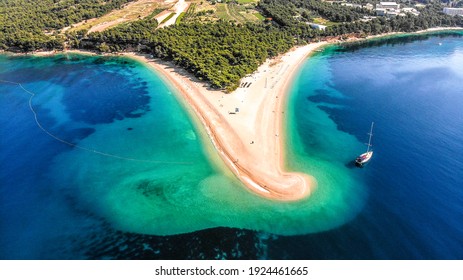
point(204, 11)
point(130, 12)
point(320, 20)
point(246, 1)
point(222, 12)
point(179, 18)
point(235, 12)
point(259, 16)
point(167, 18)
point(156, 12)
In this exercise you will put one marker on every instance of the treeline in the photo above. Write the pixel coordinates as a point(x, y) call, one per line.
point(285, 15)
point(127, 36)
point(220, 53)
point(333, 12)
point(431, 16)
point(291, 14)
point(29, 25)
point(285, 11)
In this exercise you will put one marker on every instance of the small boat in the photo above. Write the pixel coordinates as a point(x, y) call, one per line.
point(363, 159)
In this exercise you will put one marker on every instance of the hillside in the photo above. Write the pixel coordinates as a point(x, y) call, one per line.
point(219, 42)
point(31, 25)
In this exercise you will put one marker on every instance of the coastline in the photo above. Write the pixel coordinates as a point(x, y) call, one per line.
point(245, 126)
point(424, 31)
point(249, 141)
point(244, 139)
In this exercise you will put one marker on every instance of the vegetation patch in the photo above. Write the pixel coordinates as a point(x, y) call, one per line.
point(246, 1)
point(218, 43)
point(320, 20)
point(220, 53)
point(167, 18)
point(24, 24)
point(188, 14)
point(259, 16)
point(222, 12)
point(235, 12)
point(180, 18)
point(156, 12)
point(132, 11)
point(293, 15)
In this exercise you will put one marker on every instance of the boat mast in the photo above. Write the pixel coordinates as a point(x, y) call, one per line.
point(369, 139)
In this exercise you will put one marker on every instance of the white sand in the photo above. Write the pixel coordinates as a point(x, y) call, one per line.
point(249, 141)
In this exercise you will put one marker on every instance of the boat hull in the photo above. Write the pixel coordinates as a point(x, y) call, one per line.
point(364, 158)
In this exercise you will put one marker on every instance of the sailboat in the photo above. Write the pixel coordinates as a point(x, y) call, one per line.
point(365, 157)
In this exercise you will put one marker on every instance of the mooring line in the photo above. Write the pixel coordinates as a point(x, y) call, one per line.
point(32, 95)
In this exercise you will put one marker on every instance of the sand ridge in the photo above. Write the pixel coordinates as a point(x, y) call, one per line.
point(246, 125)
point(249, 140)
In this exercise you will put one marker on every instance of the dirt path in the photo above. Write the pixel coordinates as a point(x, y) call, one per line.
point(178, 8)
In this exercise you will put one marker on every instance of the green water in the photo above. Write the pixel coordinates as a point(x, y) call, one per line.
point(327, 153)
point(172, 180)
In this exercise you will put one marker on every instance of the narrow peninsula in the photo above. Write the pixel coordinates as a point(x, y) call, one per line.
point(232, 62)
point(246, 125)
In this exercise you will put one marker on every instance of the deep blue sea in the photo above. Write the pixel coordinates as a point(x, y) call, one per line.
point(94, 199)
point(411, 87)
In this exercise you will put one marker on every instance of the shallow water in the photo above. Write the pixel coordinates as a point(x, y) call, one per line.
point(113, 148)
point(411, 87)
point(153, 172)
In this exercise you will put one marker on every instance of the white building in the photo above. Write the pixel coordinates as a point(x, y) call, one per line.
point(369, 6)
point(351, 5)
point(380, 12)
point(317, 26)
point(388, 5)
point(393, 14)
point(453, 11)
point(392, 9)
point(412, 11)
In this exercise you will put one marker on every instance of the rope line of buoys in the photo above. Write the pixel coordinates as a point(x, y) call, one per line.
point(78, 146)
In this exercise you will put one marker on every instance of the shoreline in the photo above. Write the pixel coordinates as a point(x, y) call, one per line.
point(245, 126)
point(391, 34)
point(232, 135)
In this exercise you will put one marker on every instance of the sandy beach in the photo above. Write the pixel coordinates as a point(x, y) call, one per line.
point(246, 125)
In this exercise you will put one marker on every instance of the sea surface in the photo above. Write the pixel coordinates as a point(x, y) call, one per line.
point(100, 159)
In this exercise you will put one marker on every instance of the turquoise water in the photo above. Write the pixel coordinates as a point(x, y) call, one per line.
point(130, 173)
point(112, 146)
point(411, 87)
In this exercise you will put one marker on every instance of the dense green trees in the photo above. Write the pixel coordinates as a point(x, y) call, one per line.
point(30, 25)
point(127, 36)
point(291, 13)
point(429, 17)
point(221, 53)
point(284, 11)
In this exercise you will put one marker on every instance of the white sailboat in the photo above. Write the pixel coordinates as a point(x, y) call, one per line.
point(365, 157)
